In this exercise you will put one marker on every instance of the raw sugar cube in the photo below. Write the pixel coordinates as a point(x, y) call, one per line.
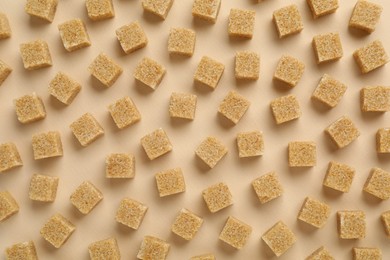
point(351, 224)
point(383, 140)
point(120, 165)
point(131, 213)
point(131, 37)
point(339, 176)
point(366, 253)
point(182, 105)
point(159, 8)
point(285, 109)
point(203, 257)
point(378, 184)
point(288, 20)
point(186, 224)
point(5, 29)
point(35, 55)
point(74, 34)
point(8, 205)
point(104, 69)
point(43, 9)
point(365, 16)
point(329, 91)
point(43, 188)
point(209, 72)
point(86, 129)
point(181, 41)
point(250, 144)
point(322, 7)
point(375, 99)
point(104, 249)
point(153, 248)
point(327, 47)
point(385, 217)
point(233, 106)
point(267, 187)
point(156, 144)
point(170, 182)
point(371, 56)
point(86, 197)
point(247, 65)
point(124, 112)
point(29, 108)
point(206, 9)
point(23, 250)
point(320, 254)
point(217, 197)
point(47, 145)
point(342, 132)
point(235, 233)
point(279, 238)
point(9, 157)
point(57, 230)
point(302, 154)
point(211, 151)
point(289, 71)
point(5, 70)
point(98, 10)
point(241, 23)
point(64, 88)
point(149, 72)
point(314, 212)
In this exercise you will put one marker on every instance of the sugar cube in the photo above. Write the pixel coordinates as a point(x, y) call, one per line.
point(5, 29)
point(241, 23)
point(74, 34)
point(64, 88)
point(235, 233)
point(366, 253)
point(209, 72)
point(159, 8)
point(371, 56)
point(351, 224)
point(104, 249)
point(131, 37)
point(365, 16)
point(43, 9)
point(342, 132)
point(153, 248)
point(182, 105)
point(322, 7)
point(156, 144)
point(104, 69)
point(35, 55)
point(339, 176)
point(375, 99)
point(29, 108)
point(247, 65)
point(233, 106)
point(385, 217)
point(288, 20)
point(320, 254)
point(206, 9)
point(327, 47)
point(329, 91)
point(8, 205)
point(211, 151)
point(217, 197)
point(314, 212)
point(23, 250)
point(186, 224)
point(250, 144)
point(285, 109)
point(279, 238)
point(302, 154)
point(47, 145)
point(86, 197)
point(203, 257)
point(86, 129)
point(57, 230)
point(9, 157)
point(100, 9)
point(289, 71)
point(43, 188)
point(131, 213)
point(149, 72)
point(120, 165)
point(383, 140)
point(378, 184)
point(267, 187)
point(181, 41)
point(170, 182)
point(124, 112)
point(5, 70)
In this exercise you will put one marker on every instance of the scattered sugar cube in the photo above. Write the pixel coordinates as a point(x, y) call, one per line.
point(156, 144)
point(233, 106)
point(206, 9)
point(302, 154)
point(366, 253)
point(375, 99)
point(86, 129)
point(182, 105)
point(64, 88)
point(247, 65)
point(105, 70)
point(250, 144)
point(235, 233)
point(124, 112)
point(131, 213)
point(170, 182)
point(131, 37)
point(322, 7)
point(5, 29)
point(327, 47)
point(149, 72)
point(57, 230)
point(385, 217)
point(47, 145)
point(241, 23)
point(8, 205)
point(9, 157)
point(120, 165)
point(209, 72)
point(279, 238)
point(329, 91)
point(314, 212)
point(5, 70)
point(285, 109)
point(104, 249)
point(153, 248)
point(288, 20)
point(181, 41)
point(371, 56)
point(383, 140)
point(23, 250)
point(343, 131)
point(211, 151)
point(43, 188)
point(204, 257)
point(351, 224)
point(339, 176)
point(29, 108)
point(186, 224)
point(289, 70)
point(35, 55)
point(86, 197)
point(320, 254)
point(157, 7)
point(378, 184)
point(74, 35)
point(267, 187)
point(44, 9)
point(365, 16)
point(100, 9)
point(217, 197)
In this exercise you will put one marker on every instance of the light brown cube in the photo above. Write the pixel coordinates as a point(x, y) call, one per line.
point(57, 230)
point(29, 108)
point(279, 238)
point(322, 7)
point(371, 56)
point(351, 224)
point(9, 157)
point(159, 8)
point(206, 9)
point(43, 188)
point(378, 184)
point(241, 23)
point(285, 109)
point(288, 20)
point(383, 140)
point(267, 187)
point(64, 88)
point(327, 47)
point(156, 144)
point(8, 205)
point(182, 105)
point(43, 9)
point(104, 69)
point(302, 154)
point(375, 99)
point(329, 91)
point(5, 70)
point(131, 37)
point(5, 29)
point(217, 197)
point(124, 112)
point(120, 165)
point(314, 212)
point(35, 55)
point(289, 70)
point(23, 250)
point(342, 132)
point(365, 16)
point(98, 10)
point(86, 197)
point(204, 257)
point(385, 217)
point(211, 151)
point(149, 72)
point(86, 129)
point(104, 249)
point(339, 176)
point(186, 224)
point(47, 145)
point(320, 254)
point(366, 253)
point(209, 72)
point(235, 233)
point(153, 248)
point(247, 65)
point(74, 34)
point(170, 182)
point(181, 41)
point(250, 144)
point(131, 213)
point(233, 106)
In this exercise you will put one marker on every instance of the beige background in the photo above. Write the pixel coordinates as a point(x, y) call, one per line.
point(79, 164)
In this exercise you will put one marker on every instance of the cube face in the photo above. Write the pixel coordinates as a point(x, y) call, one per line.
point(124, 112)
point(235, 233)
point(105, 70)
point(378, 184)
point(288, 20)
point(279, 238)
point(182, 105)
point(267, 187)
point(383, 140)
point(322, 7)
point(8, 205)
point(371, 56)
point(329, 91)
point(217, 197)
point(241, 23)
point(327, 47)
point(23, 250)
point(35, 55)
point(343, 132)
point(211, 151)
point(43, 9)
point(365, 16)
point(43, 188)
point(157, 7)
point(29, 108)
point(64, 88)
point(209, 72)
point(302, 154)
point(289, 70)
point(206, 9)
point(233, 106)
point(57, 230)
point(339, 176)
point(170, 182)
point(74, 35)
point(153, 248)
point(186, 224)
point(375, 99)
point(156, 144)
point(131, 37)
point(363, 253)
point(86, 197)
point(385, 217)
point(250, 144)
point(351, 224)
point(86, 129)
point(181, 41)
point(285, 109)
point(9, 157)
point(149, 72)
point(247, 65)
point(5, 29)
point(5, 70)
point(314, 212)
point(320, 254)
point(104, 249)
point(47, 145)
point(100, 9)
point(131, 213)
point(203, 257)
point(120, 165)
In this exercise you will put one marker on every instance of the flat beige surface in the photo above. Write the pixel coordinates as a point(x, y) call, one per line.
point(79, 164)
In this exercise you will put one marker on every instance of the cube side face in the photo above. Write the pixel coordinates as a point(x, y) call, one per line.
point(35, 55)
point(339, 177)
point(327, 47)
point(105, 70)
point(149, 72)
point(267, 187)
point(5, 70)
point(371, 56)
point(288, 21)
point(98, 10)
point(314, 212)
point(156, 144)
point(23, 250)
point(233, 106)
point(131, 213)
point(302, 154)
point(209, 72)
point(120, 166)
point(343, 132)
point(285, 109)
point(289, 70)
point(211, 151)
point(378, 184)
point(86, 129)
point(250, 144)
point(74, 35)
point(241, 23)
point(43, 188)
point(186, 224)
point(153, 248)
point(43, 9)
point(329, 91)
point(383, 140)
point(206, 9)
point(247, 65)
point(170, 182)
point(86, 197)
point(5, 29)
point(131, 37)
point(385, 217)
point(104, 249)
point(351, 224)
point(8, 205)
point(57, 230)
point(182, 105)
point(29, 108)
point(64, 88)
point(9, 157)
point(160, 8)
point(181, 41)
point(375, 99)
point(235, 233)
point(124, 112)
point(365, 16)
point(279, 238)
point(217, 197)
point(322, 7)
point(47, 145)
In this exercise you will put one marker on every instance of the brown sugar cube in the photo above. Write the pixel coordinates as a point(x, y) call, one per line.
point(204, 257)
point(105, 70)
point(104, 249)
point(57, 230)
point(351, 224)
point(241, 23)
point(8, 205)
point(186, 224)
point(267, 187)
point(371, 56)
point(211, 151)
point(86, 197)
point(43, 188)
point(320, 254)
point(170, 182)
point(233, 106)
point(47, 145)
point(375, 99)
point(385, 217)
point(86, 129)
point(181, 41)
point(322, 7)
point(182, 105)
point(5, 70)
point(365, 16)
point(247, 65)
point(209, 72)
point(64, 88)
point(314, 212)
point(217, 197)
point(383, 140)
point(329, 91)
point(120, 165)
point(156, 144)
point(124, 112)
point(35, 55)
point(327, 47)
point(157, 7)
point(43, 9)
point(23, 250)
point(378, 184)
point(339, 176)
point(235, 233)
point(343, 131)
point(279, 238)
point(285, 109)
point(100, 9)
point(289, 70)
point(5, 29)
point(9, 157)
point(302, 154)
point(74, 35)
point(149, 72)
point(131, 37)
point(153, 248)
point(366, 253)
point(131, 213)
point(206, 9)
point(250, 144)
point(29, 108)
point(288, 20)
